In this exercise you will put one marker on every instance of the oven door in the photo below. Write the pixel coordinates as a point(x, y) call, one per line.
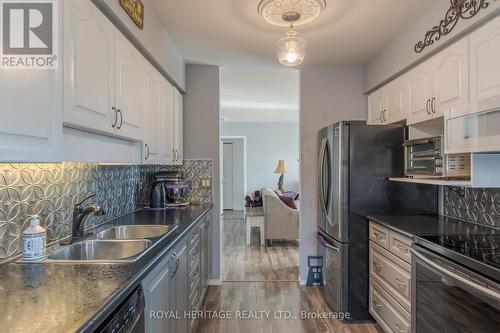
point(447, 297)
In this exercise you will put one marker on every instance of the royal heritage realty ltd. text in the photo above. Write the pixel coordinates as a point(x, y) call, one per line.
point(248, 315)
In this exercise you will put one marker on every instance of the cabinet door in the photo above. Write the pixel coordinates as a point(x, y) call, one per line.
point(203, 258)
point(181, 289)
point(88, 69)
point(420, 93)
point(156, 294)
point(128, 88)
point(451, 77)
point(484, 56)
point(178, 127)
point(375, 107)
point(31, 125)
point(395, 101)
point(151, 91)
point(167, 133)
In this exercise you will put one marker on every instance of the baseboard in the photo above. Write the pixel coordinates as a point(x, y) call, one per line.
point(214, 282)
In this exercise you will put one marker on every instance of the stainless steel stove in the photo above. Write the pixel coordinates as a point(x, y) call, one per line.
point(456, 283)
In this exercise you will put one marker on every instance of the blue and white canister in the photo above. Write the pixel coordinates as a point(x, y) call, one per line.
point(34, 240)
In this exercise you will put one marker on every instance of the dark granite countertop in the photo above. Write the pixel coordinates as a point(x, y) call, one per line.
point(414, 225)
point(78, 297)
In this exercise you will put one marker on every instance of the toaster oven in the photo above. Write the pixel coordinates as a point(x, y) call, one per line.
point(426, 158)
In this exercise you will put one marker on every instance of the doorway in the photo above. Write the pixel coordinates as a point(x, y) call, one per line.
point(259, 107)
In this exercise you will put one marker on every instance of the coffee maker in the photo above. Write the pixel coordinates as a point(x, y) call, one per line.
point(177, 188)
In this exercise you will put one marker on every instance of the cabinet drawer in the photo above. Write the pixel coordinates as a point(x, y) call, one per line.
point(392, 274)
point(389, 315)
point(194, 238)
point(379, 235)
point(400, 246)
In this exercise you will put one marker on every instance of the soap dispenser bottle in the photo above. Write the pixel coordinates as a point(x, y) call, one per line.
point(34, 240)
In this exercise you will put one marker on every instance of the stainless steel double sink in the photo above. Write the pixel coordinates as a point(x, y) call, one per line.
point(117, 244)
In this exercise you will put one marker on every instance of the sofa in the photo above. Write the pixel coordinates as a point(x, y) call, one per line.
point(280, 221)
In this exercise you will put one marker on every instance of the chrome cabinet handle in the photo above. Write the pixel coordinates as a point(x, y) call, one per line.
point(402, 249)
point(378, 236)
point(377, 305)
point(147, 151)
point(399, 328)
point(121, 119)
point(385, 115)
point(480, 288)
point(116, 117)
point(174, 257)
point(400, 284)
point(381, 116)
point(378, 267)
point(427, 107)
point(433, 105)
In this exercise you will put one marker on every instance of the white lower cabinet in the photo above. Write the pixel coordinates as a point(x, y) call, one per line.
point(173, 287)
point(390, 279)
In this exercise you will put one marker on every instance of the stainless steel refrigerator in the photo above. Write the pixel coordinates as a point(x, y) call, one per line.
point(355, 162)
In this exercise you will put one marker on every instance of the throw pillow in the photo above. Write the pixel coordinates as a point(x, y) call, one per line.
point(287, 201)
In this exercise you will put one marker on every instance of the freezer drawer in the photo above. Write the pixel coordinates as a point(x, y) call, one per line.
point(336, 284)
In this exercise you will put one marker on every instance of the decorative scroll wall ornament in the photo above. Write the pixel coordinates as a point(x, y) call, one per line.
point(464, 9)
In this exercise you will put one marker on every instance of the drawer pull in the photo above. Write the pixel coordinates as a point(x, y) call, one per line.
point(378, 236)
point(402, 248)
point(400, 284)
point(399, 328)
point(378, 267)
point(377, 305)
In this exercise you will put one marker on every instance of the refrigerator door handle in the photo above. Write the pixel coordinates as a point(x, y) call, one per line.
point(321, 180)
point(323, 242)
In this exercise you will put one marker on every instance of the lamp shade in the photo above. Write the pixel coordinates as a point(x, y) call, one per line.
point(282, 167)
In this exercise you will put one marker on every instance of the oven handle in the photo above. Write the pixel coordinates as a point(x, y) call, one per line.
point(488, 292)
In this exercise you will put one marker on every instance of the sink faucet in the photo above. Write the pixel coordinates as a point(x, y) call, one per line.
point(80, 215)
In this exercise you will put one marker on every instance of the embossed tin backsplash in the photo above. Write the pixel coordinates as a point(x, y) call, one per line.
point(51, 191)
point(481, 206)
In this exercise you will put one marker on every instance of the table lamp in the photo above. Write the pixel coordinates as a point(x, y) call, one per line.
point(282, 168)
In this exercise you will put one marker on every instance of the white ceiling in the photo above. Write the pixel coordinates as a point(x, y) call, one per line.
point(259, 94)
point(231, 32)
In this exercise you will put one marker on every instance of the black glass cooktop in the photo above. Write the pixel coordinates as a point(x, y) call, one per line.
point(480, 252)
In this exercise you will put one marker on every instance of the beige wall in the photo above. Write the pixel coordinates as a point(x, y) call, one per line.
point(202, 136)
point(399, 55)
point(328, 95)
point(154, 38)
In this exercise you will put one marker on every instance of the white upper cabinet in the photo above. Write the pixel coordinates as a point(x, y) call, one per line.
point(375, 107)
point(167, 108)
point(151, 91)
point(395, 100)
point(450, 70)
point(102, 74)
point(484, 61)
point(420, 93)
point(88, 67)
point(128, 71)
point(31, 125)
point(178, 126)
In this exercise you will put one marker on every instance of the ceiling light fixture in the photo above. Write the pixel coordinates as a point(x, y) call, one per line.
point(291, 49)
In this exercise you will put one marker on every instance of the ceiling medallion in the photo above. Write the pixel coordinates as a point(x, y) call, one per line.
point(291, 49)
point(273, 10)
point(464, 9)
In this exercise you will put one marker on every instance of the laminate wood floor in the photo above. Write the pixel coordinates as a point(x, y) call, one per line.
point(254, 262)
point(271, 296)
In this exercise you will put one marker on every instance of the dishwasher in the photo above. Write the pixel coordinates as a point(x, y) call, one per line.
point(128, 317)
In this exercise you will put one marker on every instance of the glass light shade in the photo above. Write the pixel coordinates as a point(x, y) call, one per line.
point(291, 49)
